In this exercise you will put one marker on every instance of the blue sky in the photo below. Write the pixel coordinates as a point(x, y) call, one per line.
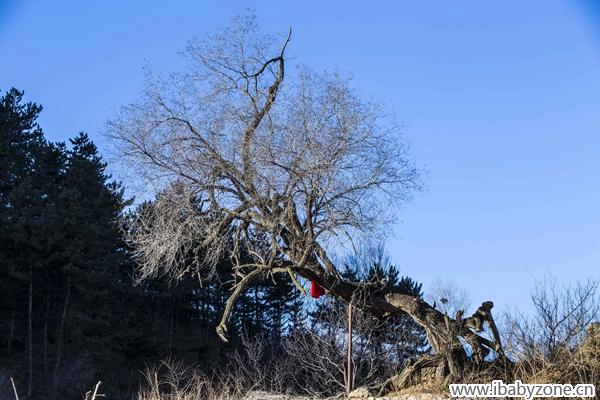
point(500, 102)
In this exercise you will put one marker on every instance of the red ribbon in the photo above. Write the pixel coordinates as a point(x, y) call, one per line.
point(316, 290)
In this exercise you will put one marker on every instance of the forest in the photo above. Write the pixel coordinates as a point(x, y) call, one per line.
point(73, 312)
point(201, 290)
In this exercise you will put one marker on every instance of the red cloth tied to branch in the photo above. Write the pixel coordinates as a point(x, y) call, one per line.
point(316, 290)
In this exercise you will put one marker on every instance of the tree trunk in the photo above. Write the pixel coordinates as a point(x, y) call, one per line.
point(11, 333)
point(172, 316)
point(256, 310)
point(30, 333)
point(46, 313)
point(450, 360)
point(349, 367)
point(59, 343)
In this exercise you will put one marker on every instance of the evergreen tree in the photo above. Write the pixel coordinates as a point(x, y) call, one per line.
point(30, 182)
point(90, 206)
point(72, 313)
point(400, 333)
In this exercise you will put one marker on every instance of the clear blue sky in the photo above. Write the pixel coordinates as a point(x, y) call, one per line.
point(500, 100)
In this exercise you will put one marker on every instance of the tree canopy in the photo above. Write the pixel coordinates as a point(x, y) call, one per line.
point(284, 164)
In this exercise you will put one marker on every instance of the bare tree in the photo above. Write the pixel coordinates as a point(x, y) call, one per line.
point(244, 150)
point(448, 296)
point(562, 313)
point(317, 353)
point(559, 340)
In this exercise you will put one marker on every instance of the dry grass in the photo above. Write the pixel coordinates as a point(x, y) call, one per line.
point(560, 344)
point(174, 381)
point(580, 364)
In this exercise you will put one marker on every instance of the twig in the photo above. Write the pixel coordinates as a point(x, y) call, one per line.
point(96, 390)
point(14, 388)
point(94, 393)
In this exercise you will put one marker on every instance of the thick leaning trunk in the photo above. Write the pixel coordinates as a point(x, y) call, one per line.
point(450, 358)
point(445, 334)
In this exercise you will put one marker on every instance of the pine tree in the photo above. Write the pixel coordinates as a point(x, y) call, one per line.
point(93, 254)
point(30, 181)
point(400, 333)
